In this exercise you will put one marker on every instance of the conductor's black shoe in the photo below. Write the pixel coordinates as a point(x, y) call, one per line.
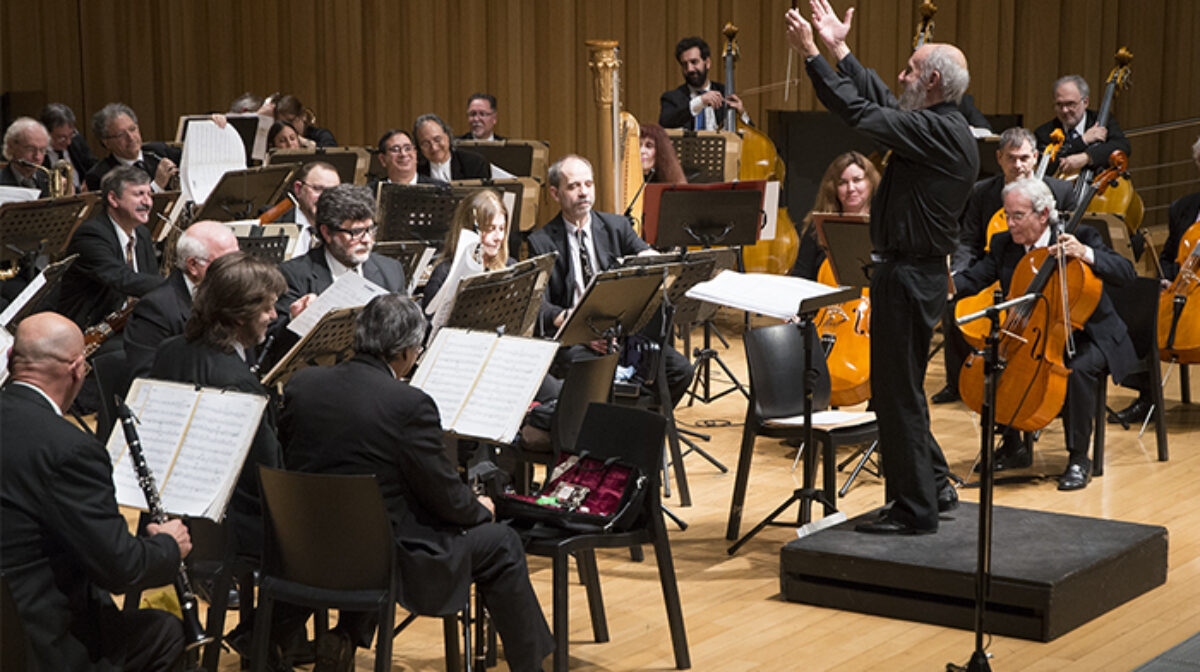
point(889, 525)
point(947, 498)
point(1076, 476)
point(1132, 414)
point(945, 395)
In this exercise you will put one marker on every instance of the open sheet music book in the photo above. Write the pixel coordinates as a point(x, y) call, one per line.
point(483, 383)
point(771, 295)
point(194, 441)
point(349, 291)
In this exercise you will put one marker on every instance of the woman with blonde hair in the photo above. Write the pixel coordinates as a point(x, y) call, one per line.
point(846, 189)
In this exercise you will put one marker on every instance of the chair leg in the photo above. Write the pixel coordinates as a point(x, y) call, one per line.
point(1101, 423)
point(216, 616)
point(450, 643)
point(586, 559)
point(749, 434)
point(670, 590)
point(636, 554)
point(1185, 384)
point(561, 625)
point(262, 633)
point(383, 645)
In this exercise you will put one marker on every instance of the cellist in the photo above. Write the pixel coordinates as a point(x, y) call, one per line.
point(1102, 344)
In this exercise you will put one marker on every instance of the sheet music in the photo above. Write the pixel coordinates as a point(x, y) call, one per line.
point(259, 151)
point(18, 194)
point(22, 298)
point(509, 380)
point(464, 264)
point(772, 295)
point(450, 367)
point(349, 291)
point(220, 432)
point(421, 269)
point(162, 410)
point(6, 342)
point(208, 153)
point(770, 209)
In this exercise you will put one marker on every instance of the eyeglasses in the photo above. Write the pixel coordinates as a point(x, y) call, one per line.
point(319, 188)
point(479, 113)
point(127, 133)
point(401, 149)
point(359, 233)
point(1017, 216)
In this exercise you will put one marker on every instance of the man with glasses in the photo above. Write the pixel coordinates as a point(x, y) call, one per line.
point(312, 181)
point(1086, 143)
point(439, 158)
point(481, 117)
point(66, 142)
point(25, 145)
point(117, 127)
point(398, 156)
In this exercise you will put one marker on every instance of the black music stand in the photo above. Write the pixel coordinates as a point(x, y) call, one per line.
point(242, 194)
point(407, 252)
point(330, 341)
point(268, 248)
point(617, 302)
point(523, 158)
point(417, 212)
point(40, 230)
point(504, 301)
point(31, 303)
point(350, 162)
point(704, 155)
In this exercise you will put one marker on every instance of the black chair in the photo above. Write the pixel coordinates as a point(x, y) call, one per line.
point(112, 380)
point(775, 359)
point(329, 545)
point(15, 651)
point(636, 437)
point(1137, 305)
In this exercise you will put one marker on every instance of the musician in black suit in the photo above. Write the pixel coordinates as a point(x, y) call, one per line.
point(440, 159)
point(164, 311)
point(25, 145)
point(445, 537)
point(66, 142)
point(1086, 143)
point(230, 314)
point(116, 255)
point(398, 157)
point(116, 125)
point(1102, 344)
point(699, 103)
point(312, 181)
point(481, 117)
point(586, 243)
point(66, 545)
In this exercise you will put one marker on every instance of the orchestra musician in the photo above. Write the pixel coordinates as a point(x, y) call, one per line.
point(1017, 155)
point(116, 125)
point(288, 109)
point(660, 164)
point(481, 117)
point(66, 546)
point(312, 181)
point(913, 230)
point(699, 103)
point(282, 136)
point(163, 311)
point(440, 159)
point(66, 142)
point(398, 156)
point(1087, 143)
point(1102, 344)
point(25, 145)
point(846, 189)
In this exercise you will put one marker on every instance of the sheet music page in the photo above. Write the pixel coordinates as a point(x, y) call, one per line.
point(464, 264)
point(771, 209)
point(501, 397)
point(772, 295)
point(22, 298)
point(259, 151)
point(6, 342)
point(212, 453)
point(450, 368)
point(421, 269)
point(163, 410)
point(208, 153)
point(18, 194)
point(349, 291)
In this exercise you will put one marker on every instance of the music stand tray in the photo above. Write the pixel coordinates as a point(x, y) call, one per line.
point(846, 240)
point(41, 226)
point(329, 341)
point(242, 194)
point(706, 215)
point(617, 301)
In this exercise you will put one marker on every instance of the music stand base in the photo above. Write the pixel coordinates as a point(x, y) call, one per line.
point(804, 496)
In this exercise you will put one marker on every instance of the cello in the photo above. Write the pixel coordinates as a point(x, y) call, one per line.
point(845, 333)
point(1032, 385)
point(1179, 305)
point(759, 161)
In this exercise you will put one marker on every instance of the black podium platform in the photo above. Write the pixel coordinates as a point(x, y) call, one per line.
point(1051, 572)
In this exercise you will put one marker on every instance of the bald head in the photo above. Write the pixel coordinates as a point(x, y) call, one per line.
point(200, 245)
point(951, 65)
point(48, 353)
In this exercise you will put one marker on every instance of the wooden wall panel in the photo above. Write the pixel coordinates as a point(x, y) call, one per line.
point(368, 65)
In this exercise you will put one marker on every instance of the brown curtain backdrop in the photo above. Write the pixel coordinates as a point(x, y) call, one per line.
point(367, 65)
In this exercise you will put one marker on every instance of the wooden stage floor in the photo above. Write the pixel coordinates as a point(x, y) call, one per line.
point(737, 620)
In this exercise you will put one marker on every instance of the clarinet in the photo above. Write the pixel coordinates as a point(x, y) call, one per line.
point(193, 632)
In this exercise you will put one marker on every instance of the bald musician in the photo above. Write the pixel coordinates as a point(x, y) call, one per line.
point(65, 545)
point(1086, 142)
point(914, 227)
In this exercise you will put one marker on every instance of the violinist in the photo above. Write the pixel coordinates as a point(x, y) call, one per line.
point(846, 188)
point(699, 103)
point(914, 227)
point(1087, 143)
point(1102, 344)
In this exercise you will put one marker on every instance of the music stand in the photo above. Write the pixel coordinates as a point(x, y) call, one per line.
point(41, 227)
point(417, 212)
point(616, 302)
point(523, 158)
point(242, 194)
point(272, 249)
point(846, 240)
point(23, 306)
point(350, 162)
point(526, 193)
point(407, 252)
point(707, 156)
point(504, 301)
point(330, 341)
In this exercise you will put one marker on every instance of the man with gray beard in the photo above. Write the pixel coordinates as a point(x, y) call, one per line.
point(914, 227)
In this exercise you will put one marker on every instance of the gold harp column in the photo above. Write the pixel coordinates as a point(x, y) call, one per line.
point(602, 59)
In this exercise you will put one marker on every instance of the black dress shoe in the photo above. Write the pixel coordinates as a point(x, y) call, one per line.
point(1132, 414)
point(1076, 477)
point(889, 525)
point(945, 395)
point(947, 498)
point(1012, 454)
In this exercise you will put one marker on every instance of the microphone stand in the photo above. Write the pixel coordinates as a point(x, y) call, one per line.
point(628, 214)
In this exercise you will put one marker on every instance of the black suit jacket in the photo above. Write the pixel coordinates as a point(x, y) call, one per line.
point(65, 544)
point(1104, 327)
point(99, 281)
point(1097, 153)
point(613, 238)
point(323, 137)
point(201, 364)
point(10, 178)
point(80, 154)
point(982, 205)
point(159, 315)
point(464, 165)
point(109, 162)
point(1182, 215)
point(675, 110)
point(397, 437)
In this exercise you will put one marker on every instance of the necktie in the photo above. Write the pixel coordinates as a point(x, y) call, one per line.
point(585, 261)
point(129, 254)
point(699, 121)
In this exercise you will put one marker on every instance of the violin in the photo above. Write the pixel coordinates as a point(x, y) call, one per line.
point(759, 161)
point(1032, 385)
point(1179, 305)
